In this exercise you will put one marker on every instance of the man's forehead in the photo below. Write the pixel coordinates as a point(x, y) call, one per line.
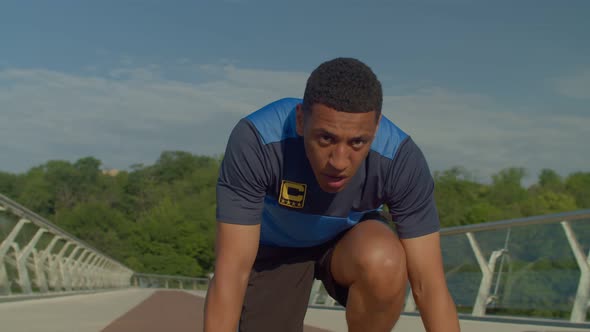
point(324, 106)
point(323, 117)
point(344, 130)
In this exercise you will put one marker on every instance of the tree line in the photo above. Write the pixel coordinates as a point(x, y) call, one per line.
point(160, 218)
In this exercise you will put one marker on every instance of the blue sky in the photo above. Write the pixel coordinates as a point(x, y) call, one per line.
point(481, 84)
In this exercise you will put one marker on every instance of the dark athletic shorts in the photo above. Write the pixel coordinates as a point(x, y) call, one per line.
point(280, 284)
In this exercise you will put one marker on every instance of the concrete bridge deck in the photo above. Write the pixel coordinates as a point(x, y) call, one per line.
point(150, 310)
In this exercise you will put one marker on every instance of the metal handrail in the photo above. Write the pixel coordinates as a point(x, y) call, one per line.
point(488, 267)
point(487, 264)
point(170, 277)
point(23, 212)
point(502, 224)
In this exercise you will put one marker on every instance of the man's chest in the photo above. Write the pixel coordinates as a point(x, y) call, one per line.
point(294, 188)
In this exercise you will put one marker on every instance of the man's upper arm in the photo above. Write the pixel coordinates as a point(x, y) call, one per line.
point(241, 187)
point(414, 211)
point(411, 193)
point(243, 177)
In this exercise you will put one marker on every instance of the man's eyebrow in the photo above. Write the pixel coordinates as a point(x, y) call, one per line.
point(324, 131)
point(327, 132)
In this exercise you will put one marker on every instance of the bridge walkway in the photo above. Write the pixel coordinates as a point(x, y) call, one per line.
point(156, 310)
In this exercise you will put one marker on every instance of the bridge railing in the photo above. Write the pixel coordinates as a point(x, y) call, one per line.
point(143, 280)
point(533, 267)
point(38, 257)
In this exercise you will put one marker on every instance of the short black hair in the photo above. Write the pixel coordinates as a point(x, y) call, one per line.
point(344, 84)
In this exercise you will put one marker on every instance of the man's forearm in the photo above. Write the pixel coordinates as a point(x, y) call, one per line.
point(223, 304)
point(438, 311)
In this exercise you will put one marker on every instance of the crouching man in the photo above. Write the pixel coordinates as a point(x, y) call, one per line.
point(301, 195)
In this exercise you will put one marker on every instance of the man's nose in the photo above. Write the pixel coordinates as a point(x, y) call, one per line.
point(339, 160)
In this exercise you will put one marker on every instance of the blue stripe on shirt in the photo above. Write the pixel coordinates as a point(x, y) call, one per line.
point(283, 227)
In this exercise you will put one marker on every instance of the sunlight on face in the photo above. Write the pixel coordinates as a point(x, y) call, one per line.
point(336, 143)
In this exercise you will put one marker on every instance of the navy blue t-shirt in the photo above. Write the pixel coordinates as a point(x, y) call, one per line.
point(265, 178)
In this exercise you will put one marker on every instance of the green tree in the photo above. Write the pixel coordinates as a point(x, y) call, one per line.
point(550, 180)
point(545, 201)
point(578, 185)
point(8, 184)
point(64, 181)
point(100, 226)
point(507, 193)
point(175, 165)
point(457, 193)
point(172, 242)
point(36, 193)
point(160, 218)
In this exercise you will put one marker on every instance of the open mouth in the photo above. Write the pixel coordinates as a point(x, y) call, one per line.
point(335, 182)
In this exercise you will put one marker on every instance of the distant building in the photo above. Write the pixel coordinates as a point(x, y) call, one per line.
point(110, 172)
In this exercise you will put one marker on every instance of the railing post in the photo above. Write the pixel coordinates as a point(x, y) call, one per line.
point(117, 278)
point(101, 278)
point(86, 265)
point(583, 294)
point(70, 268)
point(122, 277)
point(113, 275)
point(56, 270)
point(40, 279)
point(89, 269)
point(487, 270)
point(21, 262)
point(94, 272)
point(90, 275)
point(67, 269)
point(76, 268)
point(44, 265)
point(86, 268)
point(4, 247)
point(127, 275)
point(4, 284)
point(106, 275)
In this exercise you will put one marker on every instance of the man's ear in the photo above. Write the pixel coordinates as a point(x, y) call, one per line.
point(299, 119)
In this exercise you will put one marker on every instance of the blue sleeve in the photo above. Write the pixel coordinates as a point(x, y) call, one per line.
point(411, 193)
point(243, 180)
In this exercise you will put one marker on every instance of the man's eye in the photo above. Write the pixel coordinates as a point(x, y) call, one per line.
point(325, 139)
point(357, 143)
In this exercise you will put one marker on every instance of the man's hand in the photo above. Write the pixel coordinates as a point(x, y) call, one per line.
point(235, 251)
point(429, 287)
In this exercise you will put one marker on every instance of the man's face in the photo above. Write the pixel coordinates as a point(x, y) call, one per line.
point(336, 143)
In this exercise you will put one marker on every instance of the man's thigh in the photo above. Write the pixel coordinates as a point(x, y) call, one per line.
point(323, 268)
point(278, 292)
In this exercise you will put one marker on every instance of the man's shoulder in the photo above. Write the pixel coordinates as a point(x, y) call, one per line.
point(389, 139)
point(275, 121)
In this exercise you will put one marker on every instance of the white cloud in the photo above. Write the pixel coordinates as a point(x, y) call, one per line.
point(479, 133)
point(575, 86)
point(130, 115)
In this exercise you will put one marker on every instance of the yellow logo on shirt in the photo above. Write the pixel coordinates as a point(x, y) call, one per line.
point(292, 194)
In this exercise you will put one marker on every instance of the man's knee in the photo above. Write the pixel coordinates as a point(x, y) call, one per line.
point(378, 260)
point(383, 268)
